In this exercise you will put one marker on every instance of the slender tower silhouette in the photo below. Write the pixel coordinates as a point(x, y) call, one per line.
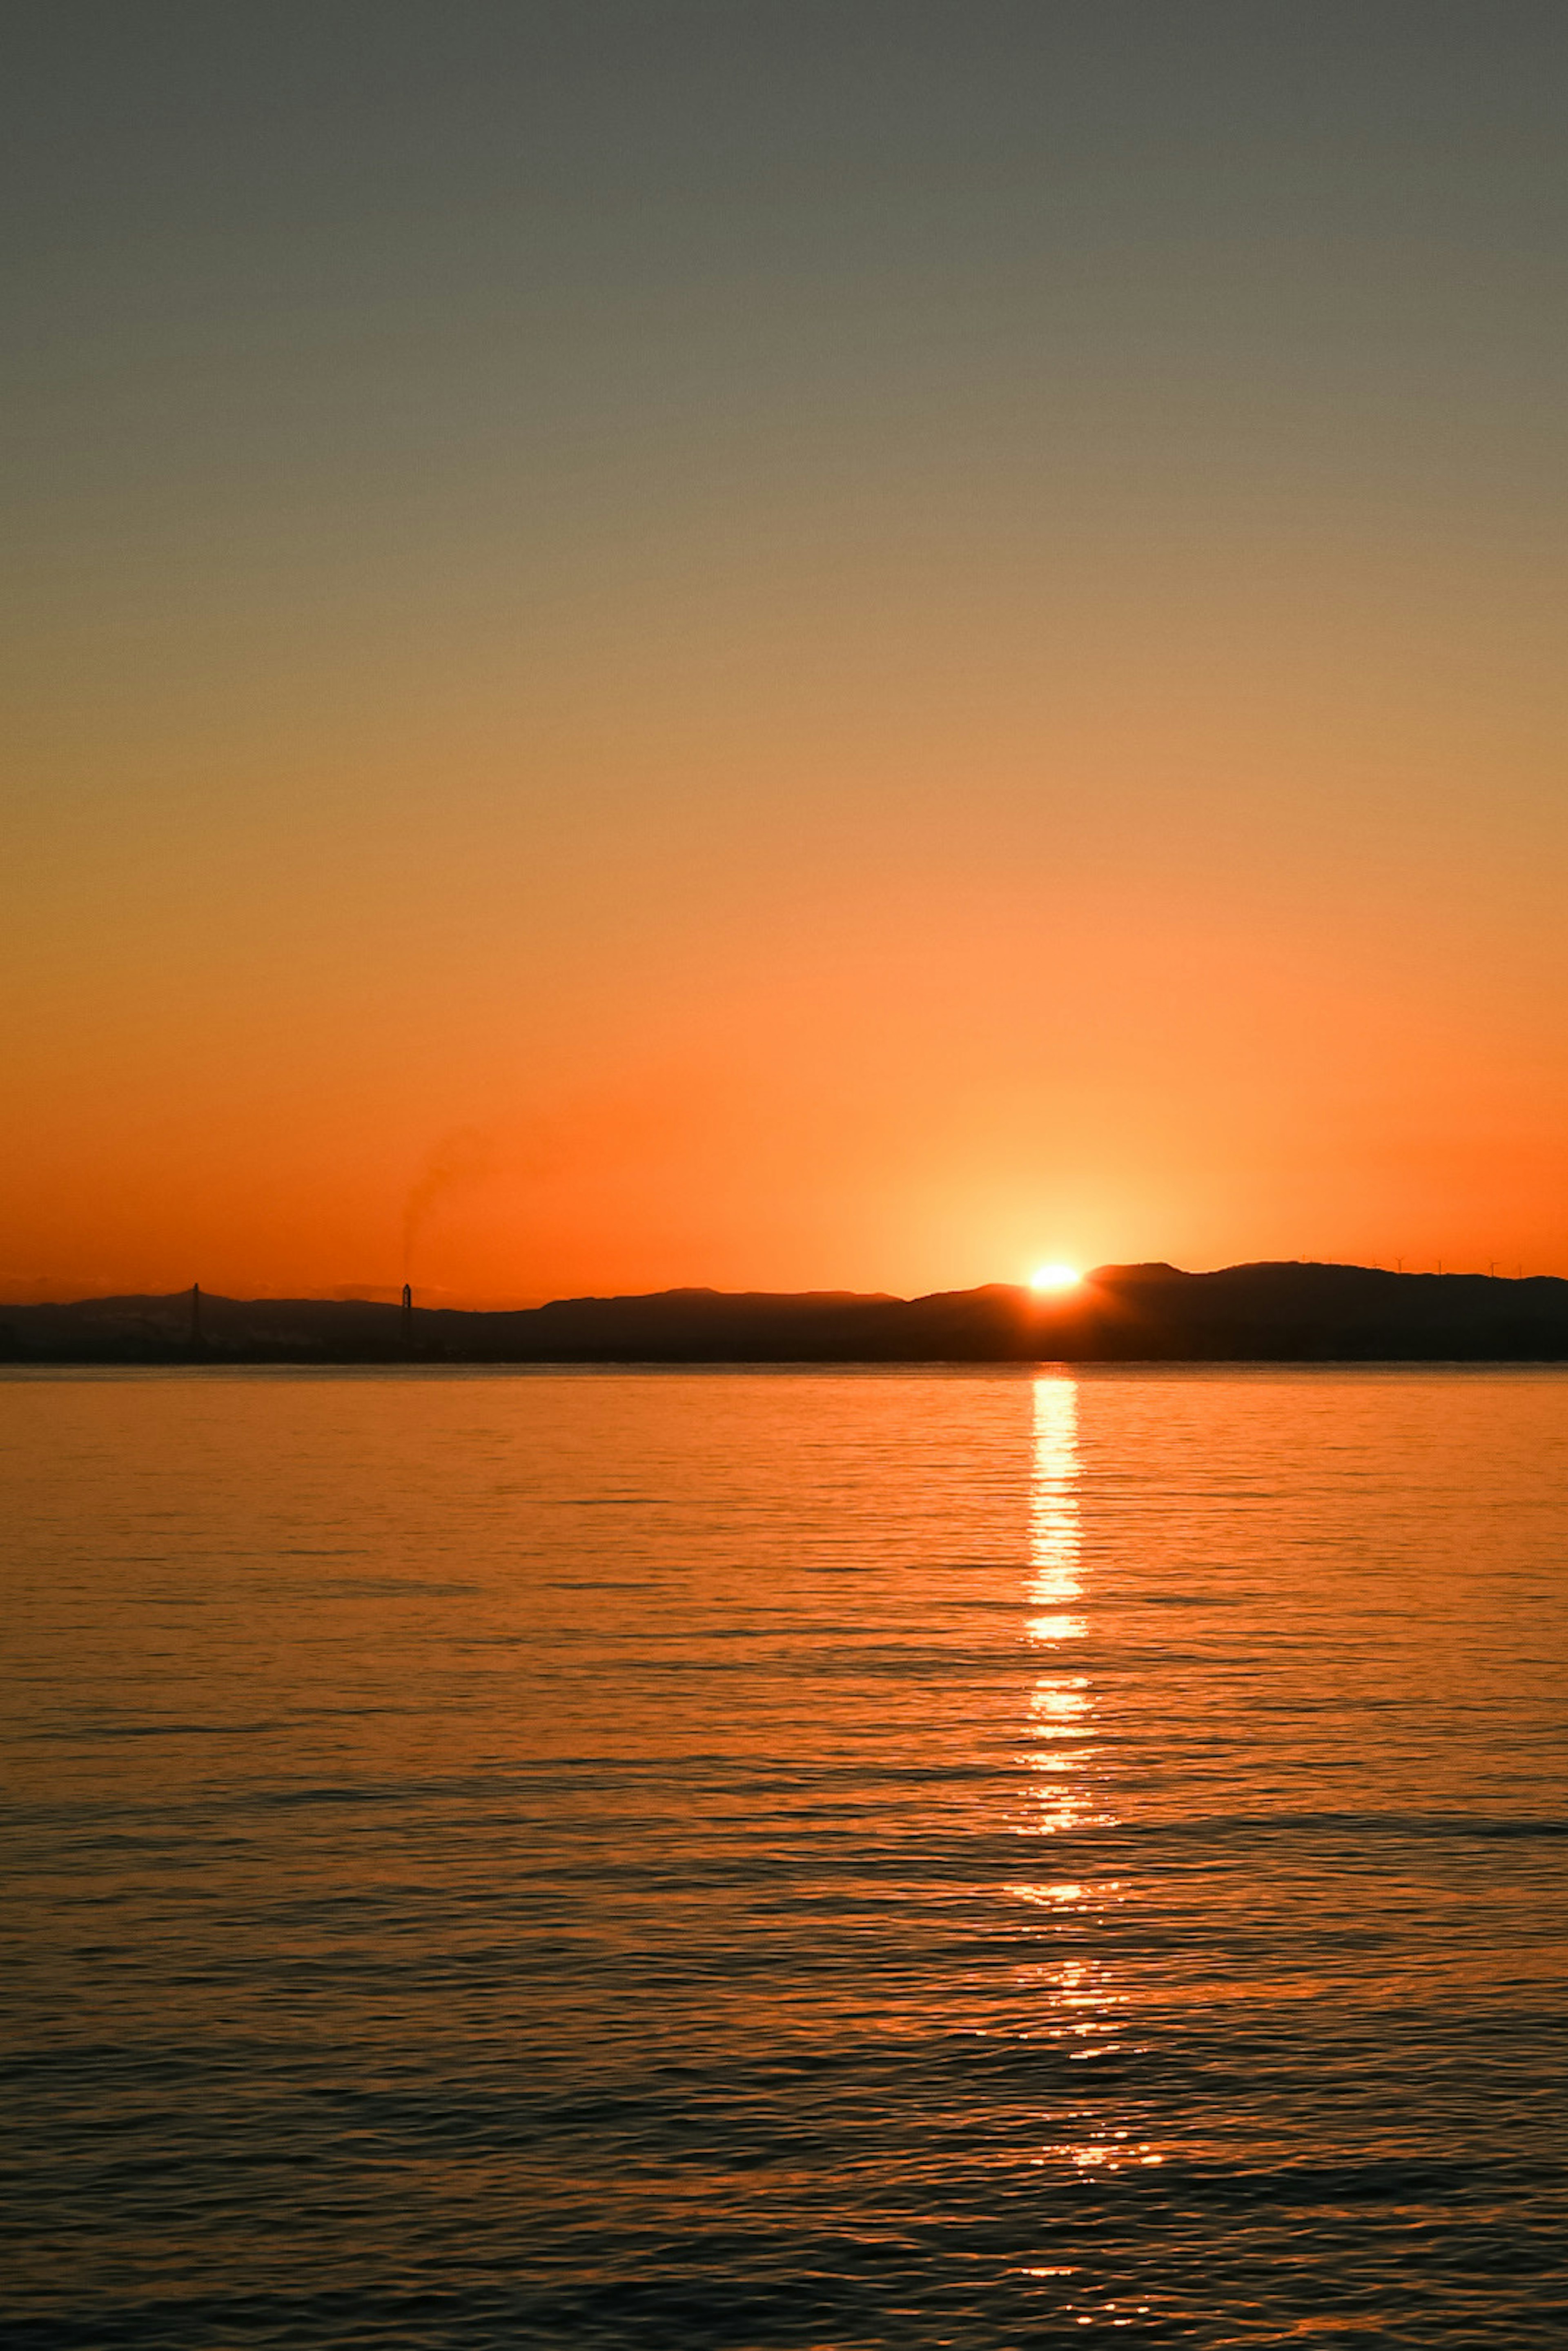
point(195, 1313)
point(407, 1314)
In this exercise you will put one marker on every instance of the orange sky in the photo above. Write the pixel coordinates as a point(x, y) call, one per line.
point(923, 641)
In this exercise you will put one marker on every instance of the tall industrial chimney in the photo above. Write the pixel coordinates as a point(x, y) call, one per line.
point(407, 1316)
point(195, 1313)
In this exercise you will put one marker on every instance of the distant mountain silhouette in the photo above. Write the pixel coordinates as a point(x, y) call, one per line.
point(1120, 1313)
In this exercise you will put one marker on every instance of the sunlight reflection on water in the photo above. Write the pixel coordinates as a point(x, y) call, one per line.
point(1061, 1703)
point(1061, 1721)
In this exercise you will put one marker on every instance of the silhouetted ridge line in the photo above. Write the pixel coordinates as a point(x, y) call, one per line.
point(1120, 1313)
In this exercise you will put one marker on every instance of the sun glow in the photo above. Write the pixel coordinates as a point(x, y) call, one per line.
point(1054, 1277)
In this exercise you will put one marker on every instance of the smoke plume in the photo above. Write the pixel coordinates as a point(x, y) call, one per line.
point(464, 1157)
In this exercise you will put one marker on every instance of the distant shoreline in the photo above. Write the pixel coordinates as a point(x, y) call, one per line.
point(1142, 1313)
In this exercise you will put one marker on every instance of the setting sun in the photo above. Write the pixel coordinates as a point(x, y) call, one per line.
point(1054, 1277)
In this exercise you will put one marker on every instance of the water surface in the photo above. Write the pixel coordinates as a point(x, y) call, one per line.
point(824, 1859)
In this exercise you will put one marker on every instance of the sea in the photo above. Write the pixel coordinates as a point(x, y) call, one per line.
point(852, 1860)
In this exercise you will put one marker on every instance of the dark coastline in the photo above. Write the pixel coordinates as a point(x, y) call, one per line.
point(1247, 1313)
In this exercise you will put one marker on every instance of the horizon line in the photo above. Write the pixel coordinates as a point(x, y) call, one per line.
point(434, 1299)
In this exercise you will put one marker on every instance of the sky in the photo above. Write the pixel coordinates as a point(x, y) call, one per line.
point(794, 644)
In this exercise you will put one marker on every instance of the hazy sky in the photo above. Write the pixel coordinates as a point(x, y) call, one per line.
point(781, 645)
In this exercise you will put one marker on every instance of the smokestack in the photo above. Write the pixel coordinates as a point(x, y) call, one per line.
point(195, 1313)
point(407, 1316)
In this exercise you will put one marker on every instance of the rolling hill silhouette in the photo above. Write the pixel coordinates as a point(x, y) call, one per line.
point(1123, 1313)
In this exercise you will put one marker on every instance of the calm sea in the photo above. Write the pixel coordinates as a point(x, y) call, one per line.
point(784, 1858)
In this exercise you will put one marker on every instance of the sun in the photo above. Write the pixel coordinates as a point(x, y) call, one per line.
point(1055, 1276)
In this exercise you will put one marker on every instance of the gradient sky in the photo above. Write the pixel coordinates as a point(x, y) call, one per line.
point(781, 645)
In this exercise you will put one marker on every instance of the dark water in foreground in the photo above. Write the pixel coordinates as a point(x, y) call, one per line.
point(805, 1859)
